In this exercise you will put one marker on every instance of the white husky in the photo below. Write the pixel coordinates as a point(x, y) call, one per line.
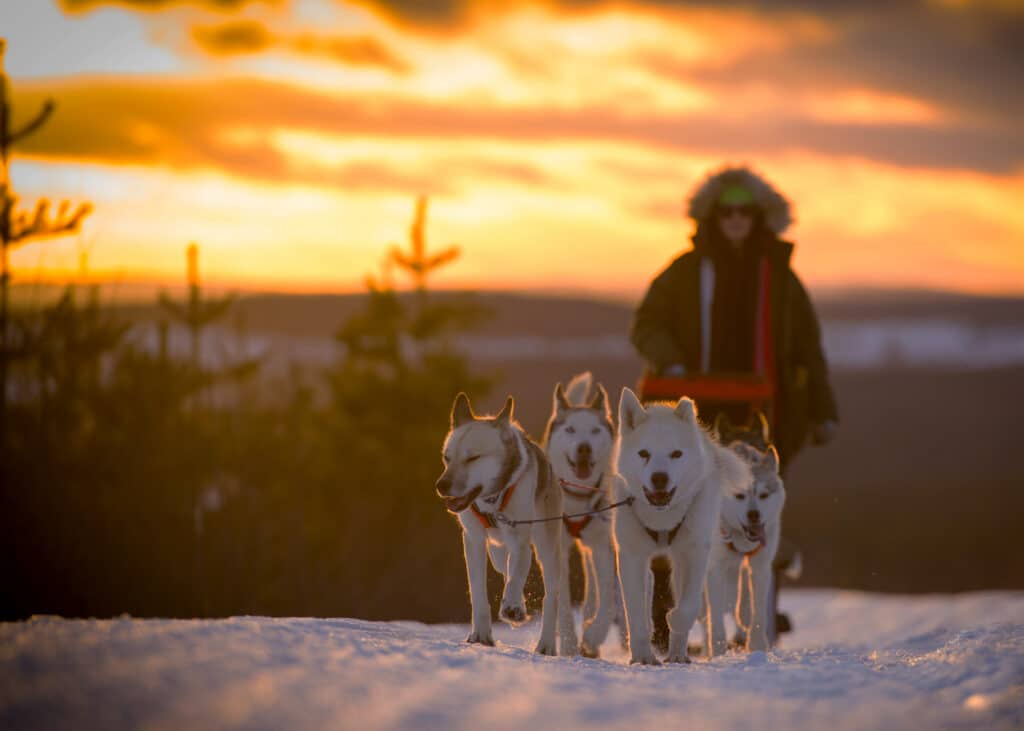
point(740, 572)
point(494, 476)
point(676, 474)
point(579, 440)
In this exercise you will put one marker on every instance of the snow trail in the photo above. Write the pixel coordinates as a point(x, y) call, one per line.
point(856, 661)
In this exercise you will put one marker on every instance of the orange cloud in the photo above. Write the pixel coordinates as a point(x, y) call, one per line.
point(77, 6)
point(178, 123)
point(248, 36)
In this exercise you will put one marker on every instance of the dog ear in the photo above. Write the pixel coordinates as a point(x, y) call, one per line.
point(600, 401)
point(771, 459)
point(462, 412)
point(561, 401)
point(760, 425)
point(631, 411)
point(686, 409)
point(578, 388)
point(722, 425)
point(505, 414)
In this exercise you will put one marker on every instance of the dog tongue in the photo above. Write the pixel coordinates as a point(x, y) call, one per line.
point(582, 470)
point(757, 531)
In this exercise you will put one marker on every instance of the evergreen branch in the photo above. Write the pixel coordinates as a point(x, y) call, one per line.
point(48, 106)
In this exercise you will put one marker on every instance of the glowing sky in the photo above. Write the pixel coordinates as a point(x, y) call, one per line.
point(557, 140)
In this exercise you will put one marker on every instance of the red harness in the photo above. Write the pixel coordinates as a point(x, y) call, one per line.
point(575, 527)
point(746, 554)
point(487, 519)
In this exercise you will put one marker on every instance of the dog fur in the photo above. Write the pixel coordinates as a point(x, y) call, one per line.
point(740, 569)
point(579, 440)
point(677, 475)
point(483, 458)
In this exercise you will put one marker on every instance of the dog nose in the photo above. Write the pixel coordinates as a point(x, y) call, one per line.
point(443, 486)
point(659, 480)
point(754, 516)
point(584, 450)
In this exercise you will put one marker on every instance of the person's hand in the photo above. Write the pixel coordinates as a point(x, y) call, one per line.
point(824, 433)
point(675, 370)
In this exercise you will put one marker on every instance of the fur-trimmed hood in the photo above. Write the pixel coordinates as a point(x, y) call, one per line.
point(774, 206)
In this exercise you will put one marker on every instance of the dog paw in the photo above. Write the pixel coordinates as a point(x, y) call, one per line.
point(592, 652)
point(644, 659)
point(719, 648)
point(568, 648)
point(513, 614)
point(481, 638)
point(758, 644)
point(678, 658)
point(545, 648)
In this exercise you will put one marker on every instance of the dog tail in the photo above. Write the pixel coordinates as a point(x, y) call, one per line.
point(579, 388)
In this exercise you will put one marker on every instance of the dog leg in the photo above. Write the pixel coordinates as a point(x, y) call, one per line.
point(513, 608)
point(566, 620)
point(715, 643)
point(689, 572)
point(590, 583)
point(760, 580)
point(499, 558)
point(744, 597)
point(476, 567)
point(548, 543)
point(633, 572)
point(595, 629)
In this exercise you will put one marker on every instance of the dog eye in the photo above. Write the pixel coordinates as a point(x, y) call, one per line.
point(596, 430)
point(739, 496)
point(676, 454)
point(474, 458)
point(570, 430)
point(763, 496)
point(644, 454)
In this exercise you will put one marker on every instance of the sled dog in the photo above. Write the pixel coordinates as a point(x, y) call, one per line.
point(578, 440)
point(676, 475)
point(493, 476)
point(740, 570)
point(757, 433)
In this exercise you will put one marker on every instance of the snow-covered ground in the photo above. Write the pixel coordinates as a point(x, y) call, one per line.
point(856, 661)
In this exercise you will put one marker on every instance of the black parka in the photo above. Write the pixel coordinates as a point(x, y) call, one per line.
point(667, 328)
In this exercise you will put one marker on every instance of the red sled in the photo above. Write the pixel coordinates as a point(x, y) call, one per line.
point(753, 390)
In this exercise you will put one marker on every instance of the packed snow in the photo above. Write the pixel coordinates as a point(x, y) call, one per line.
point(855, 661)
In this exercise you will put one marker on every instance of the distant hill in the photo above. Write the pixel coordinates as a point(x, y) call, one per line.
point(543, 314)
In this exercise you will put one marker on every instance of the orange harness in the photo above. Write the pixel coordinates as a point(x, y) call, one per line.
point(487, 519)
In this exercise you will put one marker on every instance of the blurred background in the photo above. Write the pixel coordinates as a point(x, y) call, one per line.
point(252, 249)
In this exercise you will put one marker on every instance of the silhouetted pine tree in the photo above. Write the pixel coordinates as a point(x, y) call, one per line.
point(16, 227)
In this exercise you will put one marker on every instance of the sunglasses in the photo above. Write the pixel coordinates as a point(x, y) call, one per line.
point(746, 209)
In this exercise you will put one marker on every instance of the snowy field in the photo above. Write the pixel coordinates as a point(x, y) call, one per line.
point(856, 661)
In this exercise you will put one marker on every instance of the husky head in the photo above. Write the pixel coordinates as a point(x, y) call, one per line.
point(480, 454)
point(579, 436)
point(663, 452)
point(750, 510)
point(756, 433)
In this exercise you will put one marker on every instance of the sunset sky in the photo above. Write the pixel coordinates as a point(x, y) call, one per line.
point(557, 140)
